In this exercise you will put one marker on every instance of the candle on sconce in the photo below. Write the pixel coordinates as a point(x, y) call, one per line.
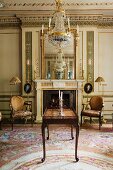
point(68, 23)
point(28, 62)
point(59, 94)
point(49, 22)
point(42, 29)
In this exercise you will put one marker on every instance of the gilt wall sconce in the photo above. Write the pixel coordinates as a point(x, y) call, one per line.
point(100, 81)
point(14, 81)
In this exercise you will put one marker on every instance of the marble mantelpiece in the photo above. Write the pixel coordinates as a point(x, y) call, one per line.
point(49, 84)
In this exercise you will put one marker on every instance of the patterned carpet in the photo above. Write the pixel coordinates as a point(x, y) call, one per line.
point(21, 149)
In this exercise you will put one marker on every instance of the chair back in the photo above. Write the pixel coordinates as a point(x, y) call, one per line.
point(96, 103)
point(17, 103)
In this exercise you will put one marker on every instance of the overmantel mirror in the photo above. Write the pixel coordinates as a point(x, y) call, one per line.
point(59, 46)
point(58, 63)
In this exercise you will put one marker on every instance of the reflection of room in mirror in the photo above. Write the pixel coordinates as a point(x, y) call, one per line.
point(64, 69)
point(51, 72)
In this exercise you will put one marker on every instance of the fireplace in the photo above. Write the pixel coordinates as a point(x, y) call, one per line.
point(51, 99)
point(48, 95)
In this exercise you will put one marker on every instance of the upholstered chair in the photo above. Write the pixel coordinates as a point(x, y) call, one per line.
point(0, 120)
point(95, 110)
point(21, 109)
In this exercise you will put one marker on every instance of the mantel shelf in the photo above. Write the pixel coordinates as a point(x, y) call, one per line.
point(58, 80)
point(56, 84)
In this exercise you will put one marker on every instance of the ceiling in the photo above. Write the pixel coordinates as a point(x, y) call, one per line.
point(14, 7)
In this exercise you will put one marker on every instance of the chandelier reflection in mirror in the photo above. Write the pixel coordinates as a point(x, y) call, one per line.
point(60, 63)
point(59, 35)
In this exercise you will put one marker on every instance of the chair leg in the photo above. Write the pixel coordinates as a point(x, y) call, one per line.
point(0, 125)
point(12, 121)
point(90, 120)
point(81, 119)
point(100, 122)
point(12, 124)
point(32, 120)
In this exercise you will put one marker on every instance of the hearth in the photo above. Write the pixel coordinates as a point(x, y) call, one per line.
point(48, 95)
point(51, 99)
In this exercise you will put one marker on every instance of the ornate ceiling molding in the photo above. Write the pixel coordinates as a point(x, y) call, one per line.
point(48, 4)
point(37, 21)
point(9, 21)
point(97, 20)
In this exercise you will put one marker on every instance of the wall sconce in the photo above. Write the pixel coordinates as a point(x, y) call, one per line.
point(100, 80)
point(14, 81)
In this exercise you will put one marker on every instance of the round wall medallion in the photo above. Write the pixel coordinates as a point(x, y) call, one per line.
point(88, 87)
point(27, 87)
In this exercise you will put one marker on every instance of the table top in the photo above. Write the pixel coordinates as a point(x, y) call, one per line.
point(59, 114)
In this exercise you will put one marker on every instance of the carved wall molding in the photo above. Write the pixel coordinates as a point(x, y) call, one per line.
point(50, 4)
point(9, 21)
point(90, 57)
point(38, 20)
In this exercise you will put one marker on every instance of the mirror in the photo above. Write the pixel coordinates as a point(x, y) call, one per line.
point(58, 64)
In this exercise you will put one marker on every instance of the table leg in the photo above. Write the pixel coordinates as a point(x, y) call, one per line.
point(72, 132)
point(47, 132)
point(76, 142)
point(112, 121)
point(43, 141)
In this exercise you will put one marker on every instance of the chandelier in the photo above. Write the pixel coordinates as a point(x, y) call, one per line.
point(59, 36)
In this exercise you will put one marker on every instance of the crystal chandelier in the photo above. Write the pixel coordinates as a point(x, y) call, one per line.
point(59, 36)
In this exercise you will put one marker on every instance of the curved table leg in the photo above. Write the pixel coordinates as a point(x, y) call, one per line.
point(43, 140)
point(72, 132)
point(48, 132)
point(76, 142)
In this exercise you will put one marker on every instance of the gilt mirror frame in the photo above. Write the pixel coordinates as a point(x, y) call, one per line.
point(71, 61)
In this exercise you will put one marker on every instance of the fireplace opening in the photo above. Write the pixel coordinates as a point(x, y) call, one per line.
point(51, 99)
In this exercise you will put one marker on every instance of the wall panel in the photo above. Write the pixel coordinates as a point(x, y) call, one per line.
point(10, 60)
point(105, 55)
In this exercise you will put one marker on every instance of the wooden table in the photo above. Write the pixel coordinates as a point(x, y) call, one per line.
point(53, 116)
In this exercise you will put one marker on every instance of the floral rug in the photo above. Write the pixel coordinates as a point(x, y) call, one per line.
point(21, 149)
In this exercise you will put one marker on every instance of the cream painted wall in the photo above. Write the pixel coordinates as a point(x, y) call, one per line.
point(10, 59)
point(105, 57)
point(105, 68)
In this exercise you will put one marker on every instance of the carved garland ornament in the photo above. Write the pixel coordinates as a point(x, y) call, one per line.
point(47, 4)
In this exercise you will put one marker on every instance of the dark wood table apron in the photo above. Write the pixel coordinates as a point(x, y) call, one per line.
point(68, 116)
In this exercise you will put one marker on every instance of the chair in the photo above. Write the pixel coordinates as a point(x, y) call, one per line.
point(95, 110)
point(21, 109)
point(0, 120)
